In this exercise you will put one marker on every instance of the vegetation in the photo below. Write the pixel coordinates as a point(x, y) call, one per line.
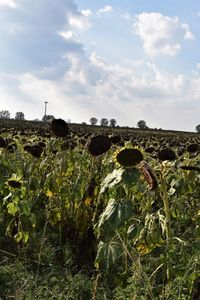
point(19, 116)
point(4, 114)
point(95, 213)
point(142, 124)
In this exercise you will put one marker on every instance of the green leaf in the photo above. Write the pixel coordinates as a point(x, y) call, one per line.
point(12, 209)
point(18, 237)
point(130, 176)
point(26, 208)
point(115, 214)
point(25, 236)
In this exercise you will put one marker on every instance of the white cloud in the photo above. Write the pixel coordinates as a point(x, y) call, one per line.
point(69, 35)
point(86, 12)
point(80, 20)
point(161, 34)
point(106, 9)
point(9, 3)
point(90, 86)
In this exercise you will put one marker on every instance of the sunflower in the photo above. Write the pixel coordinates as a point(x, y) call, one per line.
point(59, 128)
point(3, 143)
point(166, 154)
point(128, 156)
point(14, 181)
point(99, 144)
point(35, 150)
point(192, 148)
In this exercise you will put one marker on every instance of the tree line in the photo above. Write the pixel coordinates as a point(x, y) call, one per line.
point(5, 114)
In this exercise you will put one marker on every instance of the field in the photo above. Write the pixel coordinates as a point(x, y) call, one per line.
point(92, 213)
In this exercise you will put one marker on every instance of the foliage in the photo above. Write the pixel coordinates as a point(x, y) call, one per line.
point(198, 128)
point(78, 226)
point(142, 124)
point(113, 122)
point(4, 114)
point(19, 116)
point(48, 118)
point(104, 122)
point(93, 121)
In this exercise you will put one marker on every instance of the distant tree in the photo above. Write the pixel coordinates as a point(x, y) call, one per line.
point(104, 122)
point(93, 121)
point(4, 114)
point(19, 116)
point(84, 123)
point(113, 122)
point(198, 128)
point(48, 118)
point(142, 124)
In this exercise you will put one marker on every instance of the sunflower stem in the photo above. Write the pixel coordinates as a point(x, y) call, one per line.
point(167, 218)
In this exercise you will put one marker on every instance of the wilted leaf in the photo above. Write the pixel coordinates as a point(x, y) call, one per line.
point(112, 179)
point(108, 253)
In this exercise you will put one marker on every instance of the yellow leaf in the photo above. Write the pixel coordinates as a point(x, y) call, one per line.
point(88, 201)
point(49, 194)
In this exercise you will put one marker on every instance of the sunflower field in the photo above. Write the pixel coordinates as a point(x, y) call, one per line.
point(99, 214)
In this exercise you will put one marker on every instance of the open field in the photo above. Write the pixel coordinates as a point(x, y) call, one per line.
point(96, 213)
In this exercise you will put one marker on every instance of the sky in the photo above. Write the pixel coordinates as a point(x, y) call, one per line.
point(129, 60)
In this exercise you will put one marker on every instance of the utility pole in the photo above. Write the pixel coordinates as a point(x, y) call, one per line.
point(45, 110)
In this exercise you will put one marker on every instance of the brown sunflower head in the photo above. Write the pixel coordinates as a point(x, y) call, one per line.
point(190, 168)
point(128, 157)
point(150, 149)
point(166, 154)
point(59, 128)
point(115, 139)
point(36, 151)
point(192, 148)
point(27, 148)
point(99, 144)
point(3, 143)
point(14, 183)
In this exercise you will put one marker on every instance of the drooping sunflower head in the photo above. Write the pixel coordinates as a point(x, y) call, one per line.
point(192, 148)
point(128, 156)
point(14, 181)
point(2, 143)
point(166, 154)
point(59, 128)
point(99, 144)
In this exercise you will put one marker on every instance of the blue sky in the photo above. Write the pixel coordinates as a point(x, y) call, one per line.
point(128, 60)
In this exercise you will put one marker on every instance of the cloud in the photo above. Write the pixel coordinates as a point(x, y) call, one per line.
point(90, 86)
point(106, 9)
point(161, 34)
point(31, 35)
point(69, 35)
point(43, 59)
point(80, 20)
point(9, 3)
